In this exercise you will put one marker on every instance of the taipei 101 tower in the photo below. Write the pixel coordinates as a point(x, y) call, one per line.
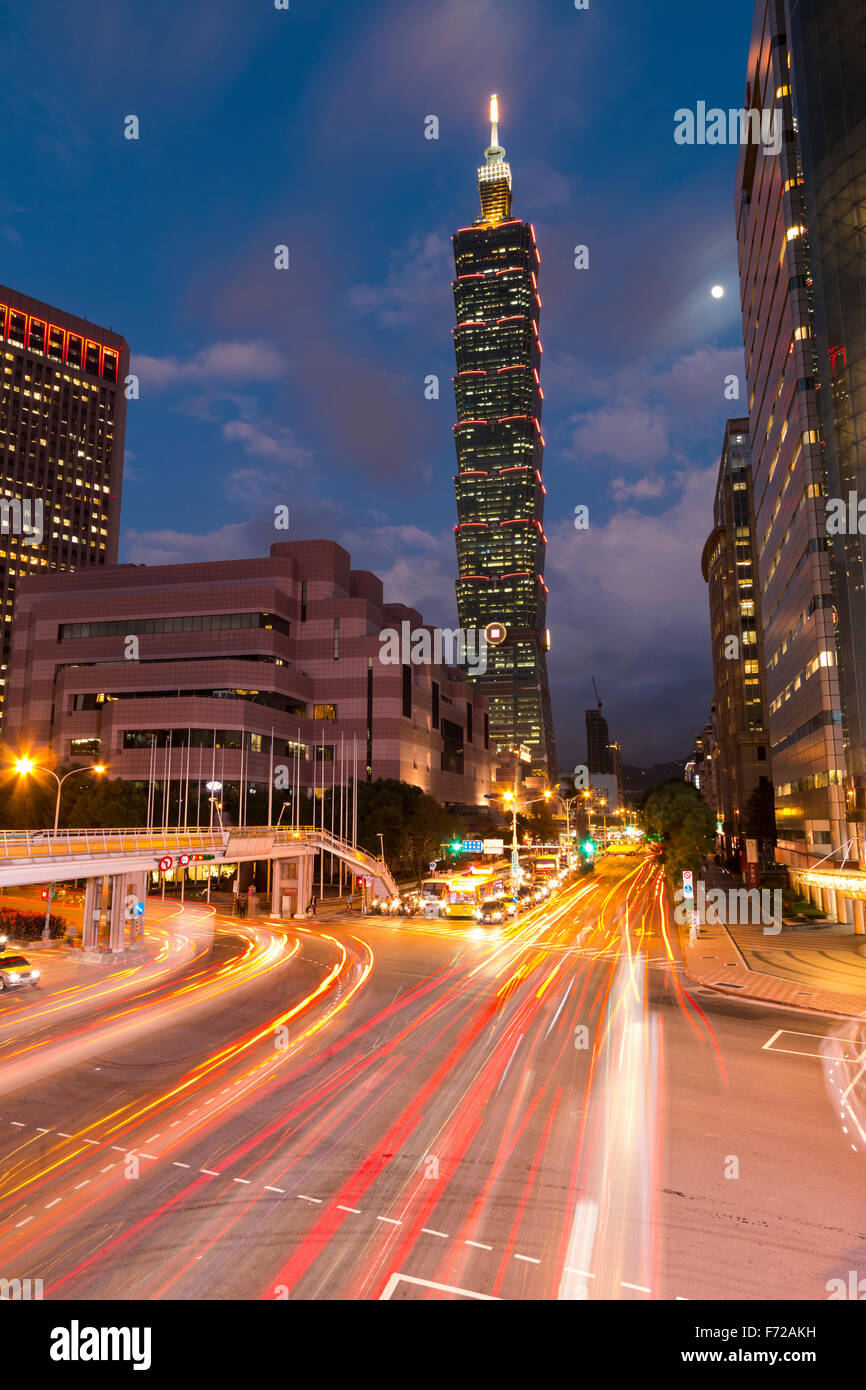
point(500, 495)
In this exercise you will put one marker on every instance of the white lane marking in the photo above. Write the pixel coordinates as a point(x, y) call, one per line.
point(19, 1124)
point(390, 1220)
point(147, 1156)
point(301, 1198)
point(528, 1258)
point(582, 1272)
point(478, 1245)
point(356, 1211)
point(441, 1234)
point(81, 1184)
point(245, 1181)
point(63, 1134)
point(151, 1137)
point(281, 1190)
point(210, 1172)
point(108, 1169)
point(90, 1141)
point(799, 1052)
point(24, 1222)
point(52, 1204)
point(561, 1007)
point(396, 1279)
point(175, 1164)
point(117, 1149)
point(510, 1060)
point(639, 1288)
point(42, 1131)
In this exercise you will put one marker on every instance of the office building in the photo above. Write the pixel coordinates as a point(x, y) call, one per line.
point(729, 564)
point(500, 494)
point(786, 428)
point(62, 422)
point(229, 671)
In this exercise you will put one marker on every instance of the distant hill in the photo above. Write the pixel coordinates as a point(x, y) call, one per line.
point(640, 779)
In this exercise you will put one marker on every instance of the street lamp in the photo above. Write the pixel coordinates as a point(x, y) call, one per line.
point(24, 766)
point(511, 797)
point(381, 845)
point(567, 803)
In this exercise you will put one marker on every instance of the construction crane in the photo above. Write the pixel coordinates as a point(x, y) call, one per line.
point(597, 696)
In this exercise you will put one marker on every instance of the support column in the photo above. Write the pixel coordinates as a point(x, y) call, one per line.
point(306, 865)
point(92, 913)
point(117, 912)
point(830, 904)
point(276, 887)
point(859, 918)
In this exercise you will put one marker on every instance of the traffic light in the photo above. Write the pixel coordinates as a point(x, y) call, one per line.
point(588, 847)
point(456, 846)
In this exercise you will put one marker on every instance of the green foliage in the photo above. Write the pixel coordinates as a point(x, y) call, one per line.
point(412, 824)
point(102, 803)
point(28, 926)
point(678, 812)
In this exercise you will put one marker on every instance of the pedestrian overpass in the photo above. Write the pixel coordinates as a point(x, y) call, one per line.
point(116, 865)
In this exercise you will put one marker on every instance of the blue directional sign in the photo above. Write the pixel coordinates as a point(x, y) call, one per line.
point(473, 846)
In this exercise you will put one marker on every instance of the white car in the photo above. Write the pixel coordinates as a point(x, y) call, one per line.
point(16, 971)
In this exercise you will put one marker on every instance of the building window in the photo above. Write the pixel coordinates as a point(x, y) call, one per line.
point(321, 712)
point(303, 600)
point(84, 747)
point(407, 692)
point(336, 639)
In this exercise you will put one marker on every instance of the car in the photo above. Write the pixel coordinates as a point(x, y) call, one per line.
point(2, 943)
point(525, 895)
point(16, 971)
point(491, 912)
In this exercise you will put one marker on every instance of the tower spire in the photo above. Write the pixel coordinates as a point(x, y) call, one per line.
point(494, 176)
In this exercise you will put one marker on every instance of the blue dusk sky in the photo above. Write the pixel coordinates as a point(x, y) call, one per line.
point(305, 387)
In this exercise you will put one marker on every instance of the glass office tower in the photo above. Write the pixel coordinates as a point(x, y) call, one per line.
point(828, 63)
point(500, 494)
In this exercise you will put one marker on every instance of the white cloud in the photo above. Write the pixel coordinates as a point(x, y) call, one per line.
point(219, 364)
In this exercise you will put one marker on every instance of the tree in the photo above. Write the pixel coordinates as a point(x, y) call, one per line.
point(413, 826)
point(678, 812)
point(102, 803)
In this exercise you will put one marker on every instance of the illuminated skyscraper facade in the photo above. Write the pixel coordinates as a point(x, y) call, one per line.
point(62, 420)
point(500, 495)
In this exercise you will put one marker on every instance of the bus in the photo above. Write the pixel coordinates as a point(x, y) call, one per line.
point(460, 895)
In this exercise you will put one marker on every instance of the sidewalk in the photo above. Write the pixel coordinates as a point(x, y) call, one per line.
point(817, 968)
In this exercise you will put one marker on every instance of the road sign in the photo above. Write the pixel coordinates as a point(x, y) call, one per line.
point(183, 859)
point(473, 846)
point(494, 846)
point(696, 921)
point(751, 851)
point(688, 884)
point(165, 863)
point(515, 860)
point(432, 865)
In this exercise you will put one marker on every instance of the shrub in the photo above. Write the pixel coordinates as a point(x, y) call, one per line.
point(28, 926)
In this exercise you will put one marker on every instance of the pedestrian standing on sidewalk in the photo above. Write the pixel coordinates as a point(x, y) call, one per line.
point(349, 901)
point(314, 902)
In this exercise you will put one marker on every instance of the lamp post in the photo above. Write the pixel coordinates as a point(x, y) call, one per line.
point(567, 803)
point(213, 788)
point(512, 798)
point(24, 766)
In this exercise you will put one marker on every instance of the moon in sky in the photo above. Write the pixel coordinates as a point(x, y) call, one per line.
point(718, 291)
